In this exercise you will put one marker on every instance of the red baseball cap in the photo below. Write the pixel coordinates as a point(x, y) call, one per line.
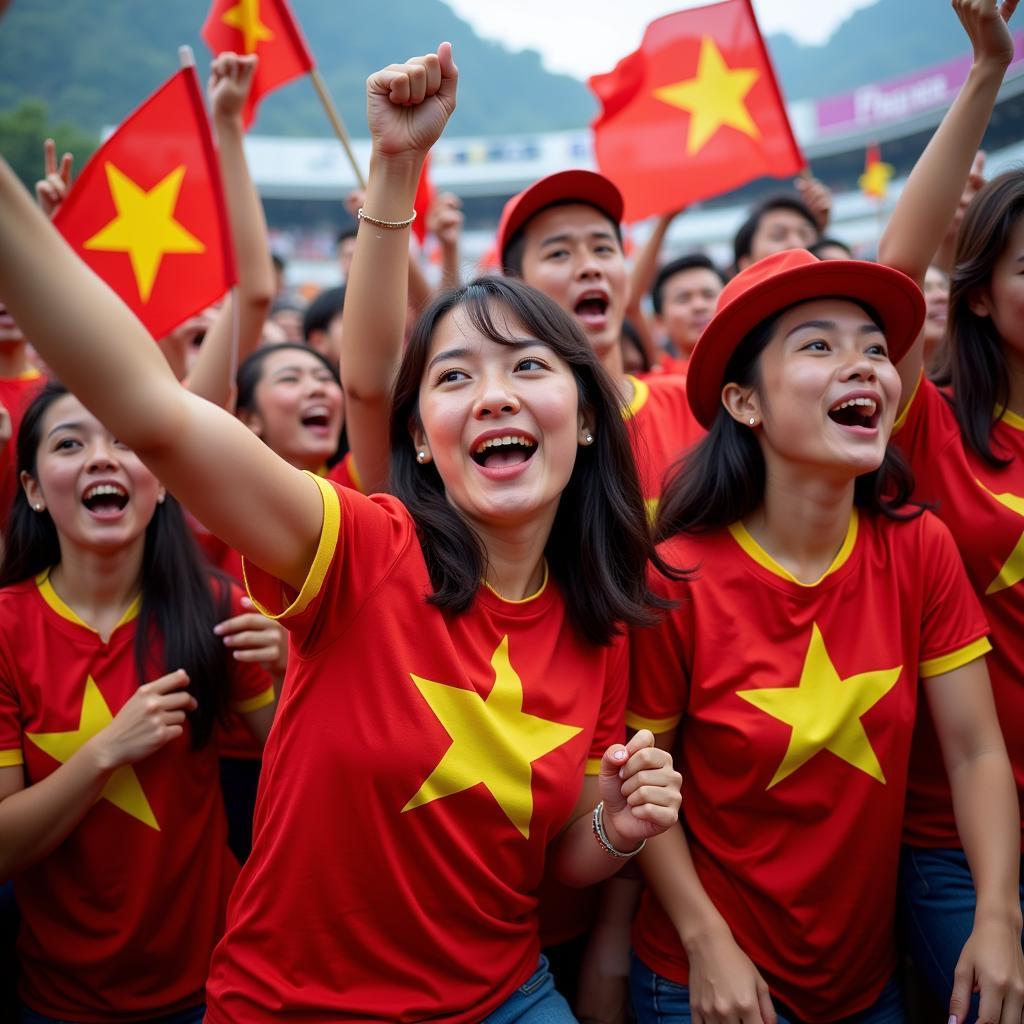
point(564, 186)
point(783, 280)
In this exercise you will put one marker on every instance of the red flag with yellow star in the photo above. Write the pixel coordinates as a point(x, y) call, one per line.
point(874, 182)
point(264, 27)
point(693, 113)
point(147, 213)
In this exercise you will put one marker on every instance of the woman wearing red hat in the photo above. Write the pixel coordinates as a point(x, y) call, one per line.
point(787, 677)
point(965, 443)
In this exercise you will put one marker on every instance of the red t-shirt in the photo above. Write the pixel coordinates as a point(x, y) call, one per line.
point(15, 395)
point(795, 707)
point(984, 510)
point(662, 428)
point(119, 921)
point(419, 766)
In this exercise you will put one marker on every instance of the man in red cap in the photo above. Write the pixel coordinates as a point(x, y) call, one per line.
point(562, 236)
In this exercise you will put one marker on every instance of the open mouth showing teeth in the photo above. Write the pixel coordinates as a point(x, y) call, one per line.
point(591, 306)
point(105, 497)
point(856, 412)
point(498, 452)
point(319, 419)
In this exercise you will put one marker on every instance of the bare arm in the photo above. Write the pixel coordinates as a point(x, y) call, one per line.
point(34, 820)
point(407, 108)
point(932, 193)
point(237, 487)
point(446, 219)
point(230, 81)
point(988, 820)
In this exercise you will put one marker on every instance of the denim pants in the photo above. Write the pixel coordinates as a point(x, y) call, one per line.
point(656, 1000)
point(536, 1002)
point(937, 915)
point(193, 1015)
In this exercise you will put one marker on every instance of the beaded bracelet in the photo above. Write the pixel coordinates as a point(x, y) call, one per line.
point(602, 837)
point(392, 225)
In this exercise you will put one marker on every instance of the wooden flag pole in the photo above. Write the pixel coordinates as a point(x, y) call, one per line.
point(337, 124)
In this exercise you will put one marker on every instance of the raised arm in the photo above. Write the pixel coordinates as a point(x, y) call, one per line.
point(230, 80)
point(210, 461)
point(445, 223)
point(930, 197)
point(407, 107)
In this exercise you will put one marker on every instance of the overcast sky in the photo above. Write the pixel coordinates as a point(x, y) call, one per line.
point(586, 37)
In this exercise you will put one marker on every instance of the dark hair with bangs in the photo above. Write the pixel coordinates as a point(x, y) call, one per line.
point(182, 599)
point(600, 542)
point(512, 257)
point(722, 478)
point(250, 373)
point(975, 363)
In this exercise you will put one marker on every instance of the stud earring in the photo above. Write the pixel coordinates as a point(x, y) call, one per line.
point(751, 420)
point(588, 439)
point(38, 507)
point(421, 456)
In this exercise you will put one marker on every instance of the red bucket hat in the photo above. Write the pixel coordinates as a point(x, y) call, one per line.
point(782, 280)
point(575, 185)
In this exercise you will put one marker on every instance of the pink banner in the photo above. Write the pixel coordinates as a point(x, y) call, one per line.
point(899, 99)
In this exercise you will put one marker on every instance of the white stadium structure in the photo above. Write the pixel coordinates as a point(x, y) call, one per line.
point(303, 181)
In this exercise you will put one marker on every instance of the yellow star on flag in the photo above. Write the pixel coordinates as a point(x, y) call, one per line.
point(825, 711)
point(716, 97)
point(123, 788)
point(875, 179)
point(245, 16)
point(494, 742)
point(144, 227)
point(1012, 571)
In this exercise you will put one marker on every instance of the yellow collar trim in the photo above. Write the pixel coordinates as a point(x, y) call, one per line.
point(1011, 419)
point(641, 392)
point(65, 611)
point(743, 537)
point(528, 598)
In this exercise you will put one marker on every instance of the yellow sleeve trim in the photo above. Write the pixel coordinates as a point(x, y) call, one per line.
point(321, 560)
point(261, 700)
point(905, 411)
point(641, 392)
point(957, 659)
point(656, 725)
point(10, 758)
point(593, 766)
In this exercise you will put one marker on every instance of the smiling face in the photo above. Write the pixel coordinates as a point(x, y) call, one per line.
point(298, 408)
point(572, 254)
point(98, 493)
point(827, 394)
point(501, 422)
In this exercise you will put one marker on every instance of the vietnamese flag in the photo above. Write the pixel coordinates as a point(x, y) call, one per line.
point(147, 212)
point(264, 27)
point(425, 196)
point(874, 182)
point(693, 113)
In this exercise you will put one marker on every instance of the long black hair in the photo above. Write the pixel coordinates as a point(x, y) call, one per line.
point(975, 364)
point(600, 543)
point(722, 478)
point(250, 373)
point(180, 602)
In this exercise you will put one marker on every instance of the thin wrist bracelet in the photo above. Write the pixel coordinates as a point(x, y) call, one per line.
point(602, 837)
point(391, 225)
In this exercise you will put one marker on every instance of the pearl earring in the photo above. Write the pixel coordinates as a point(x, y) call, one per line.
point(421, 456)
point(38, 508)
point(588, 439)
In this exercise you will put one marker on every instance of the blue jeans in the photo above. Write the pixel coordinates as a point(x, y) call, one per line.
point(656, 1000)
point(193, 1015)
point(937, 915)
point(536, 1002)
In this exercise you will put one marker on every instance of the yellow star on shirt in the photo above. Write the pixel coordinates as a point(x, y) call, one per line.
point(825, 711)
point(245, 16)
point(144, 227)
point(494, 742)
point(123, 788)
point(1012, 571)
point(716, 97)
